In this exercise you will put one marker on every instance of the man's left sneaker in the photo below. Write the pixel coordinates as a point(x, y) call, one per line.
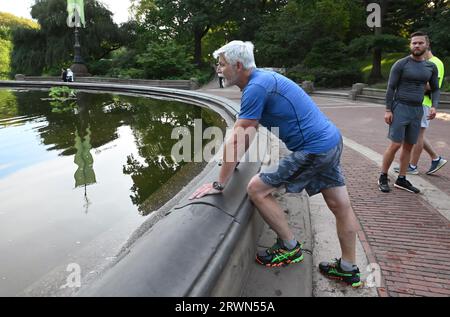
point(279, 255)
point(404, 184)
point(410, 170)
point(334, 271)
point(436, 165)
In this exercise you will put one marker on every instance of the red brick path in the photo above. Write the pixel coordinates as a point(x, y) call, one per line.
point(407, 237)
point(401, 232)
point(366, 126)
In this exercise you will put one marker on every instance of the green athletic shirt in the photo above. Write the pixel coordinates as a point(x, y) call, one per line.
point(440, 66)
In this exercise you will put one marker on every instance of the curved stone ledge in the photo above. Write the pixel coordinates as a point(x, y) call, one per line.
point(200, 248)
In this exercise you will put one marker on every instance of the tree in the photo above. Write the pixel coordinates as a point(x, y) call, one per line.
point(8, 24)
point(186, 21)
point(399, 19)
point(288, 35)
point(438, 30)
point(98, 39)
point(12, 22)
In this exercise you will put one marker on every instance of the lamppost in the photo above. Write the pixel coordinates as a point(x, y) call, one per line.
point(78, 67)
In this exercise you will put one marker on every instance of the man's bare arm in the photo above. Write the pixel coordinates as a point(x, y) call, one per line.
point(235, 147)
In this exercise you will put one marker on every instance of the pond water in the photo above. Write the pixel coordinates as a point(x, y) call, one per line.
point(76, 184)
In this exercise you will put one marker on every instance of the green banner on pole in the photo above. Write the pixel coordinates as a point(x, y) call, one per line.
point(75, 8)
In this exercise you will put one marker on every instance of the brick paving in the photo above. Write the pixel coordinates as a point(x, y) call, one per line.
point(365, 125)
point(399, 231)
point(407, 237)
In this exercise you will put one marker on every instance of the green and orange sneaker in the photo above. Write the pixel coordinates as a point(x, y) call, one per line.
point(278, 255)
point(334, 271)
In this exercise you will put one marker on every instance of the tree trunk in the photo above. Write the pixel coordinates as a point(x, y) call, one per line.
point(376, 75)
point(198, 36)
point(197, 49)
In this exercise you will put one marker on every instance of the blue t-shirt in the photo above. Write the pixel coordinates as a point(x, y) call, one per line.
point(276, 101)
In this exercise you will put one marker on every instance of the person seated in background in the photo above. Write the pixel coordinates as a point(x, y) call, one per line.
point(70, 77)
point(64, 75)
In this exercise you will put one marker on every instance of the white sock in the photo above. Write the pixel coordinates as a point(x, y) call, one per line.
point(290, 244)
point(346, 266)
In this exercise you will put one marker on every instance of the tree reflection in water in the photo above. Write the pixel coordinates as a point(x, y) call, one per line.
point(155, 176)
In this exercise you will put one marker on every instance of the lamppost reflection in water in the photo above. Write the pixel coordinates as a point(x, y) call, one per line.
point(85, 174)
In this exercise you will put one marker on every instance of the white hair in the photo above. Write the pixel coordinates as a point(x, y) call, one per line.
point(238, 51)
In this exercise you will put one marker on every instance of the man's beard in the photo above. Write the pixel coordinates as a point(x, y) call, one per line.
point(418, 53)
point(232, 81)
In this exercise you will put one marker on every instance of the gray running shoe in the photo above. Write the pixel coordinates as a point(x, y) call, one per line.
point(409, 170)
point(436, 165)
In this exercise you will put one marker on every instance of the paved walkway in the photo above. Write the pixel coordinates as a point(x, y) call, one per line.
point(405, 236)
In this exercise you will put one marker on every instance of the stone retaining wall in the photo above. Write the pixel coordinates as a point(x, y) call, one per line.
point(197, 247)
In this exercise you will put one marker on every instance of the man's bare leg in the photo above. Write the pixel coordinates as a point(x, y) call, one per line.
point(429, 149)
point(261, 195)
point(418, 148)
point(389, 156)
point(338, 201)
point(405, 156)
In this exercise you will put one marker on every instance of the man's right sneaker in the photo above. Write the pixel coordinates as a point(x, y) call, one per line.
point(409, 170)
point(334, 271)
point(404, 184)
point(436, 165)
point(279, 255)
point(383, 184)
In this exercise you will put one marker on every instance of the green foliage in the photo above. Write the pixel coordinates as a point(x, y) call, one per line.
point(62, 99)
point(438, 30)
point(12, 22)
point(9, 24)
point(62, 93)
point(343, 76)
point(54, 41)
point(167, 60)
point(445, 86)
point(365, 44)
point(185, 21)
point(5, 32)
point(327, 53)
point(171, 39)
point(336, 77)
point(288, 35)
point(28, 55)
point(5, 51)
point(100, 67)
point(8, 104)
point(387, 61)
point(330, 64)
point(203, 76)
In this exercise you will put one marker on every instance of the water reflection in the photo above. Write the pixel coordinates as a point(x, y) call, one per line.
point(71, 180)
point(96, 122)
point(8, 108)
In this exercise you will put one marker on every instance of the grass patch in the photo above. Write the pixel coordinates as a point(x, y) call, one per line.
point(386, 64)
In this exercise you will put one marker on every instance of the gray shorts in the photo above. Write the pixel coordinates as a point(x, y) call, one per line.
point(312, 172)
point(405, 126)
point(425, 121)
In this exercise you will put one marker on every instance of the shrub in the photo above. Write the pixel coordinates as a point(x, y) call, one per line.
point(326, 77)
point(100, 68)
point(165, 61)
